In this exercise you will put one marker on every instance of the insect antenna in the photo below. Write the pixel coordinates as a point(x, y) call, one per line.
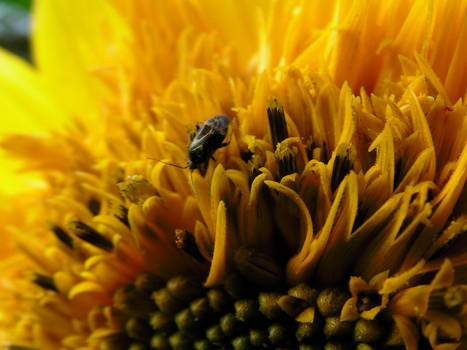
point(167, 163)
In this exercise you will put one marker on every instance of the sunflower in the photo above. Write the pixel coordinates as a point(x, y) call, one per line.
point(323, 201)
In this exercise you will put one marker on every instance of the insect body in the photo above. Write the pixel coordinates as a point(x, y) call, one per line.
point(208, 138)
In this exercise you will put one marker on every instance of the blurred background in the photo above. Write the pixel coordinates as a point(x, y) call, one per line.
point(15, 26)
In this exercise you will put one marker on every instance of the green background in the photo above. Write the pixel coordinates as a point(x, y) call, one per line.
point(25, 4)
point(15, 26)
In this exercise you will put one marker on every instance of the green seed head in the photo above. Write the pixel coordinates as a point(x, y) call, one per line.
point(331, 300)
point(367, 331)
point(182, 314)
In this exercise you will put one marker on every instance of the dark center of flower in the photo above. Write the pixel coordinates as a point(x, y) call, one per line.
point(181, 314)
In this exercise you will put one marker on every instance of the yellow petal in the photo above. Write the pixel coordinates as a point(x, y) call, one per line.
point(302, 265)
point(85, 287)
point(307, 315)
point(220, 190)
point(412, 302)
point(407, 330)
point(25, 108)
point(259, 223)
point(384, 144)
point(393, 284)
point(221, 15)
point(444, 277)
point(432, 77)
point(202, 192)
point(457, 74)
point(350, 310)
point(445, 201)
point(24, 105)
point(295, 268)
point(340, 249)
point(443, 323)
point(204, 241)
point(358, 284)
point(219, 260)
point(71, 39)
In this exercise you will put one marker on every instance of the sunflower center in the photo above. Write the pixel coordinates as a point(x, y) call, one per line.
point(181, 314)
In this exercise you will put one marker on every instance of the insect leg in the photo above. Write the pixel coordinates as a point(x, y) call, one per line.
point(203, 167)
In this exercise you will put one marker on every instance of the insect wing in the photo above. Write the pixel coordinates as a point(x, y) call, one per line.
point(221, 123)
point(204, 132)
point(216, 125)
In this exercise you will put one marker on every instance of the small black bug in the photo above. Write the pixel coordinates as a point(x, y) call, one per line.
point(208, 138)
point(204, 142)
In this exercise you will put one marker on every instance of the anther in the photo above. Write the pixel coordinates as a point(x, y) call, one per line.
point(185, 241)
point(277, 124)
point(90, 235)
point(63, 236)
point(316, 151)
point(44, 281)
point(94, 206)
point(286, 159)
point(343, 163)
point(121, 213)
